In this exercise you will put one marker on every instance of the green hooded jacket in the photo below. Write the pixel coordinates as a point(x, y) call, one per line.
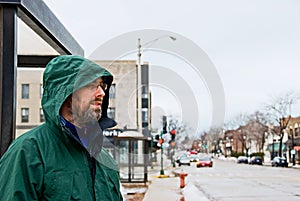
point(48, 164)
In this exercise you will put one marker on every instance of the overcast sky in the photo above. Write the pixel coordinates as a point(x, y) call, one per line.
point(254, 45)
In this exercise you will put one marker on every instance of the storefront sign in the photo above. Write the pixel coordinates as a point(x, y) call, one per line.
point(112, 133)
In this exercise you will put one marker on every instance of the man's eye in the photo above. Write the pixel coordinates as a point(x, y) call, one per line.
point(93, 86)
point(103, 86)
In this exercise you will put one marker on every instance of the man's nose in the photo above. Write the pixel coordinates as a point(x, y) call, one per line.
point(99, 91)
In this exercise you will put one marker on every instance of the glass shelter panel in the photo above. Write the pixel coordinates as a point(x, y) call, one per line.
point(130, 155)
point(122, 158)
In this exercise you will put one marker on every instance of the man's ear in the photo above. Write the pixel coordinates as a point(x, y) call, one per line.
point(66, 106)
point(69, 101)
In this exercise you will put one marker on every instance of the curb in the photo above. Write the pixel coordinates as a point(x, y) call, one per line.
point(162, 176)
point(192, 193)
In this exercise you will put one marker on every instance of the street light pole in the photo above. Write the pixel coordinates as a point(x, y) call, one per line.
point(139, 52)
point(161, 156)
point(139, 78)
point(244, 145)
point(148, 43)
point(293, 154)
point(139, 91)
point(273, 149)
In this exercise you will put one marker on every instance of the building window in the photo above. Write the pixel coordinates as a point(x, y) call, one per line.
point(41, 90)
point(111, 112)
point(145, 103)
point(42, 118)
point(25, 91)
point(112, 91)
point(24, 115)
point(144, 91)
point(144, 115)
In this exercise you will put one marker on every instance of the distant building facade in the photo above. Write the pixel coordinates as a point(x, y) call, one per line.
point(293, 130)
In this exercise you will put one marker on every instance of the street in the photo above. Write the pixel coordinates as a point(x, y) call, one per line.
point(227, 180)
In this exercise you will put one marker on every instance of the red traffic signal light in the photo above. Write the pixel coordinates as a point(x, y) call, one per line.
point(173, 132)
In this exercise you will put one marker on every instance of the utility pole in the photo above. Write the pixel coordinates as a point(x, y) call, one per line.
point(138, 90)
point(164, 131)
point(161, 155)
point(293, 151)
point(151, 150)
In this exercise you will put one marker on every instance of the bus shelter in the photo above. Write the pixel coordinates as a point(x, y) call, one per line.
point(131, 151)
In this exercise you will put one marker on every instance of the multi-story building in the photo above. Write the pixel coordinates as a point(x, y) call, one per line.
point(293, 130)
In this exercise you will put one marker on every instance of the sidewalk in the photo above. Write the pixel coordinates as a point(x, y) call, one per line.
point(168, 188)
point(163, 188)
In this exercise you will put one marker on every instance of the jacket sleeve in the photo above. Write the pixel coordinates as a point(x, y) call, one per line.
point(21, 172)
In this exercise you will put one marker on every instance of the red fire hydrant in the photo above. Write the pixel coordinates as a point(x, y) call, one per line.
point(182, 176)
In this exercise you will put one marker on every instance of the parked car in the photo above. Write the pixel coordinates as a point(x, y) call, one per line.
point(279, 161)
point(183, 160)
point(242, 159)
point(205, 161)
point(256, 160)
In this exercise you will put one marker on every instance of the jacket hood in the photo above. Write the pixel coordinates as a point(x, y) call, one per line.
point(64, 75)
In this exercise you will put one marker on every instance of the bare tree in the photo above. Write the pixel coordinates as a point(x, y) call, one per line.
point(280, 112)
point(213, 137)
point(182, 139)
point(259, 126)
point(251, 128)
point(237, 121)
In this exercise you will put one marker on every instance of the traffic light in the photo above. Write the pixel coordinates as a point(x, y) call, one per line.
point(164, 124)
point(161, 141)
point(173, 134)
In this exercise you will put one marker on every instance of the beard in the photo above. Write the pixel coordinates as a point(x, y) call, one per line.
point(87, 116)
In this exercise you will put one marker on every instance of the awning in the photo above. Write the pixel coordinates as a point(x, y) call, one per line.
point(132, 135)
point(276, 147)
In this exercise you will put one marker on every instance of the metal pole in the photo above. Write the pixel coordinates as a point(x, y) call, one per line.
point(273, 150)
point(138, 91)
point(151, 150)
point(293, 155)
point(161, 157)
point(139, 52)
point(173, 155)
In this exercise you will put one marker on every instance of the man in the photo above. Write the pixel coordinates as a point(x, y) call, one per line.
point(63, 158)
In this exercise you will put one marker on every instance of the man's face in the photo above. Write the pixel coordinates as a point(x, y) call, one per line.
point(87, 102)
